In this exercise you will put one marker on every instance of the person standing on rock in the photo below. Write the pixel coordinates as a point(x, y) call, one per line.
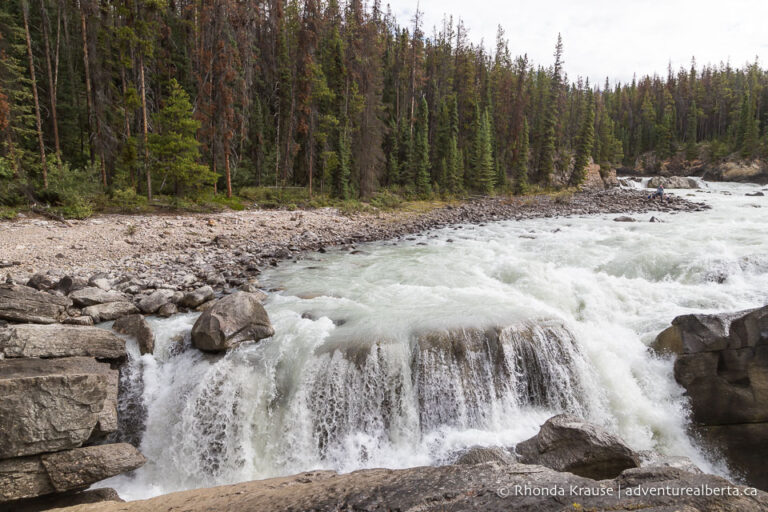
point(659, 193)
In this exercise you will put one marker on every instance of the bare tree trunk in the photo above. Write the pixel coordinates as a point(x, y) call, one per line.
point(88, 95)
point(51, 84)
point(145, 127)
point(25, 10)
point(226, 169)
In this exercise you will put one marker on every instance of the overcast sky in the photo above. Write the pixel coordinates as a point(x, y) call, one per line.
point(613, 38)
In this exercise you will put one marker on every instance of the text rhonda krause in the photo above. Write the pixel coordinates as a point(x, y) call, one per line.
point(586, 491)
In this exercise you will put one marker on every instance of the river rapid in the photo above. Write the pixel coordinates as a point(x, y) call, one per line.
point(403, 354)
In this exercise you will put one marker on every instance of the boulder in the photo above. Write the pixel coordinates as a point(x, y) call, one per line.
point(673, 182)
point(76, 469)
point(482, 454)
point(755, 194)
point(137, 326)
point(67, 499)
point(199, 296)
point(167, 310)
point(110, 311)
point(232, 320)
point(155, 301)
point(624, 218)
point(490, 487)
point(25, 304)
point(69, 284)
point(722, 362)
point(54, 404)
point(567, 443)
point(56, 340)
point(100, 281)
point(92, 295)
point(41, 281)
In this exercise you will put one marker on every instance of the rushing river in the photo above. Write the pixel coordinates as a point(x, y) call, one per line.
point(406, 353)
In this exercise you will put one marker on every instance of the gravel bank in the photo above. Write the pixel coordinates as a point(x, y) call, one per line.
point(227, 250)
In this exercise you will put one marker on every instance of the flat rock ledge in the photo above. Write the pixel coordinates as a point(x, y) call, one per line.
point(490, 487)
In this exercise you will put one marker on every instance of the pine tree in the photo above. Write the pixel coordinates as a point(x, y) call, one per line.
point(484, 171)
point(454, 166)
point(547, 159)
point(520, 166)
point(748, 129)
point(341, 186)
point(173, 149)
point(584, 142)
point(691, 130)
point(420, 165)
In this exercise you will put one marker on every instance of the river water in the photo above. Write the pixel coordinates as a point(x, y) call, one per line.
point(403, 354)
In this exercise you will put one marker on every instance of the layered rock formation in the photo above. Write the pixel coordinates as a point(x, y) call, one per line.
point(722, 362)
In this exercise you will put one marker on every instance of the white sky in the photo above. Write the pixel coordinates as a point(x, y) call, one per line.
point(613, 38)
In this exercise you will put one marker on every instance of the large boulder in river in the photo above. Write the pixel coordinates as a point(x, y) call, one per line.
point(25, 304)
point(722, 362)
point(232, 320)
point(566, 443)
point(137, 326)
point(672, 182)
point(54, 404)
point(38, 475)
point(56, 340)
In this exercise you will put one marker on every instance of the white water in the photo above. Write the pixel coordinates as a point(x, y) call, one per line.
point(351, 385)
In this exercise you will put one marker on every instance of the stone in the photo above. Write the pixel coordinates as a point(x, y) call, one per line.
point(76, 469)
point(567, 443)
point(755, 194)
point(167, 310)
point(110, 311)
point(232, 320)
point(482, 454)
point(69, 284)
point(41, 281)
point(68, 499)
point(78, 320)
point(100, 281)
point(197, 297)
point(624, 218)
point(92, 295)
point(155, 301)
point(25, 304)
point(137, 326)
point(55, 340)
point(54, 404)
point(673, 182)
point(490, 487)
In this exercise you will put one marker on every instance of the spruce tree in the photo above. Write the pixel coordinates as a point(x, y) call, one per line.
point(484, 171)
point(547, 159)
point(691, 130)
point(342, 171)
point(454, 167)
point(173, 149)
point(420, 154)
point(521, 161)
point(584, 143)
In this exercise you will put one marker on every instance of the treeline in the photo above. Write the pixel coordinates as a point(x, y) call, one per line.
point(188, 97)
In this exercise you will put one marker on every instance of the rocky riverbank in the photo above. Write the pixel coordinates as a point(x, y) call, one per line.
point(227, 250)
point(568, 465)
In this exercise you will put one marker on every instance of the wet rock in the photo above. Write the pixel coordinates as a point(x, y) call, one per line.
point(110, 311)
point(54, 404)
point(624, 218)
point(232, 320)
point(91, 296)
point(672, 182)
point(137, 326)
point(167, 310)
point(55, 340)
point(155, 301)
point(76, 469)
point(722, 362)
point(25, 304)
point(566, 443)
point(197, 297)
point(68, 499)
point(755, 194)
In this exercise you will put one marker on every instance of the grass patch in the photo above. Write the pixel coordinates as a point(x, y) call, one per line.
point(7, 213)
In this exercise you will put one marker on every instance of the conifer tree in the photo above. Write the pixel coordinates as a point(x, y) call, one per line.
point(547, 158)
point(420, 165)
point(484, 171)
point(691, 130)
point(173, 149)
point(521, 161)
point(584, 142)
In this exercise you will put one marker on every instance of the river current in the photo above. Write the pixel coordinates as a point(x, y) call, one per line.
point(404, 354)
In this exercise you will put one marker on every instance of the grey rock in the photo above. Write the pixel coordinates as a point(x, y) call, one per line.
point(54, 404)
point(69, 499)
point(481, 455)
point(100, 281)
point(137, 326)
point(155, 301)
point(167, 310)
point(197, 297)
point(41, 281)
point(55, 340)
point(39, 475)
point(110, 311)
point(232, 320)
point(69, 284)
point(91, 296)
point(624, 218)
point(673, 182)
point(78, 320)
point(25, 304)
point(566, 443)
